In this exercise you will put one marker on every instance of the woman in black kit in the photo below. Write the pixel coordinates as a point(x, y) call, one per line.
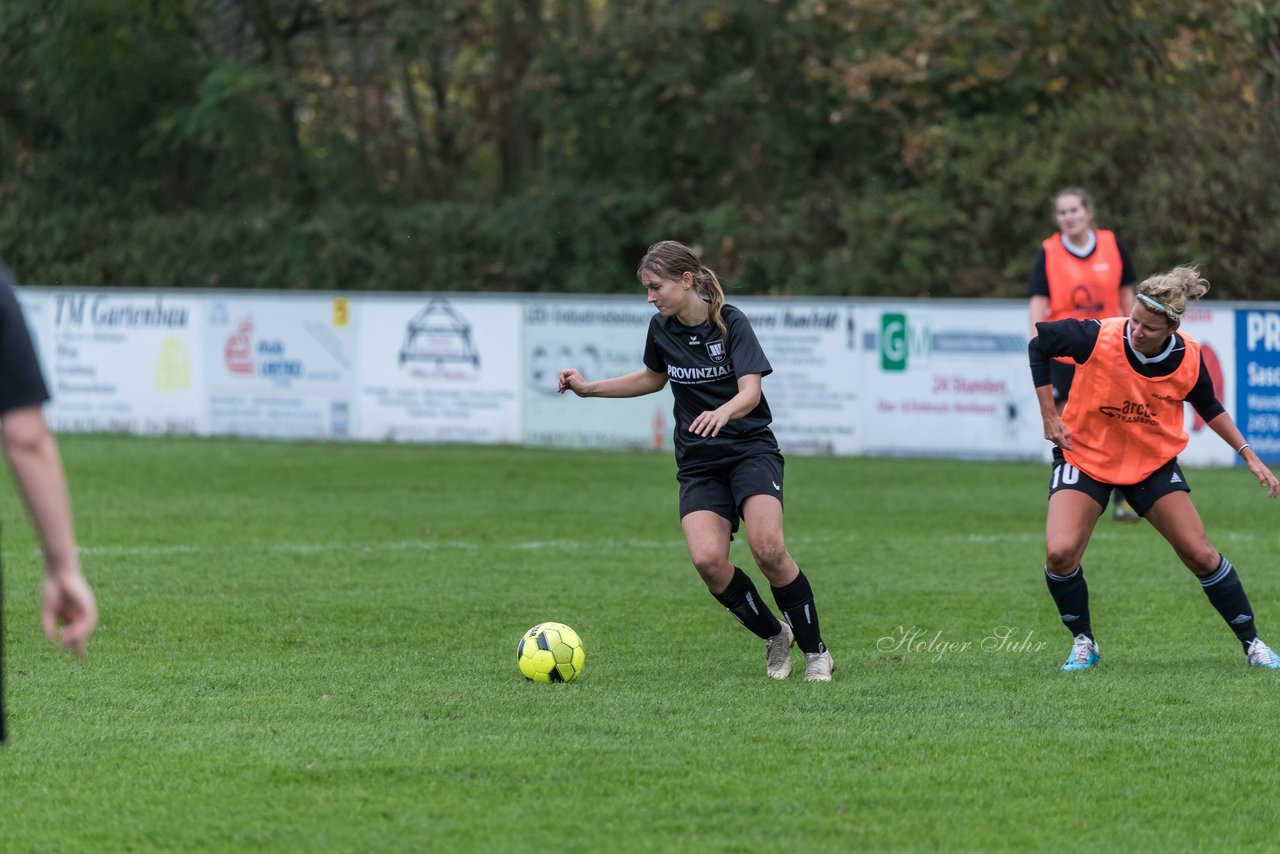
point(729, 464)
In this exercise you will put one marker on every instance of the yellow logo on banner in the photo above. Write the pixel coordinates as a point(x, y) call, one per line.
point(341, 311)
point(173, 370)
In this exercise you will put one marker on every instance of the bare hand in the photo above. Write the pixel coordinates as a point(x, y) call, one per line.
point(709, 423)
point(1056, 431)
point(67, 602)
point(571, 380)
point(1264, 475)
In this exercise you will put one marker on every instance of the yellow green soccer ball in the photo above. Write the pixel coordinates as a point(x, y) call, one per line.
point(550, 652)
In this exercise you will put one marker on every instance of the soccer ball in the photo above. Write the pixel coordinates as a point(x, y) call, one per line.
point(550, 652)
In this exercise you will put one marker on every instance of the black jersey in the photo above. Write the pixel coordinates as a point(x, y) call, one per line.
point(21, 383)
point(703, 366)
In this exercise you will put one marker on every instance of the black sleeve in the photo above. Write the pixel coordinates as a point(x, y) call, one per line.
point(1127, 274)
point(1073, 338)
point(744, 348)
point(653, 359)
point(21, 383)
point(1038, 281)
point(1202, 396)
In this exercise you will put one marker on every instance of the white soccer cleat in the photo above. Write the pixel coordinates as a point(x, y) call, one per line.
point(1260, 655)
point(1124, 512)
point(777, 652)
point(818, 666)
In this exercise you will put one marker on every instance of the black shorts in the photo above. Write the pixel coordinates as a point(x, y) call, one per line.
point(1164, 480)
point(1060, 376)
point(722, 488)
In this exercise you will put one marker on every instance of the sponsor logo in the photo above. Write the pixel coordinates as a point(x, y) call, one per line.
point(900, 342)
point(173, 370)
point(775, 485)
point(693, 340)
point(438, 334)
point(715, 349)
point(238, 351)
point(893, 342)
point(1175, 478)
point(1262, 331)
point(545, 362)
point(696, 375)
point(267, 358)
point(1085, 300)
point(1131, 412)
point(111, 312)
point(1242, 618)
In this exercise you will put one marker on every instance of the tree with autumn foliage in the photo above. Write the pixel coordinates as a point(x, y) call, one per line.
point(846, 147)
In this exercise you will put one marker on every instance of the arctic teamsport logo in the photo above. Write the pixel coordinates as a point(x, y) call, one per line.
point(1131, 412)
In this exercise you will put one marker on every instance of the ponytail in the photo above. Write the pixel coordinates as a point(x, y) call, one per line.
point(709, 286)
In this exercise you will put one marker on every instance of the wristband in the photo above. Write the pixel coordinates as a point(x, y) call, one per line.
point(1240, 450)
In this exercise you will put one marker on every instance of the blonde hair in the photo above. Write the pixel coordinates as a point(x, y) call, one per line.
point(1175, 288)
point(671, 260)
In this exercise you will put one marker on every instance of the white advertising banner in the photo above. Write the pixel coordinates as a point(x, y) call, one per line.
point(949, 379)
point(280, 367)
point(902, 377)
point(1214, 328)
point(601, 338)
point(119, 361)
point(438, 369)
point(813, 391)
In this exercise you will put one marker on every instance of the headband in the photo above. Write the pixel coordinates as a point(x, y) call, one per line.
point(1155, 305)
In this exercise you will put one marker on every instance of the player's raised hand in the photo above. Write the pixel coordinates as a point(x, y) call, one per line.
point(571, 380)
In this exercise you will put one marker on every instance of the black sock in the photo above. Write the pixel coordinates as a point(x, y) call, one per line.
point(796, 602)
point(1226, 593)
point(1071, 595)
point(742, 600)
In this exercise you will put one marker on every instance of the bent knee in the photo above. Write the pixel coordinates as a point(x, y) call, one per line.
point(1062, 559)
point(769, 555)
point(1202, 561)
point(711, 564)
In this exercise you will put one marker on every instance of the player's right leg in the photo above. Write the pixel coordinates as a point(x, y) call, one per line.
point(1076, 501)
point(707, 535)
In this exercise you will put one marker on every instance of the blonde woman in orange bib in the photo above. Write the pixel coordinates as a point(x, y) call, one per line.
point(1124, 430)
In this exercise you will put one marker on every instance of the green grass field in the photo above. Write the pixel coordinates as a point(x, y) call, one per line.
point(311, 647)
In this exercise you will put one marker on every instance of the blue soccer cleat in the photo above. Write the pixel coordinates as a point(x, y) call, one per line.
point(1260, 655)
point(1084, 654)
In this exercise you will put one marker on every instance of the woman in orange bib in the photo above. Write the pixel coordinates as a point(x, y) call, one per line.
point(1081, 272)
point(1124, 430)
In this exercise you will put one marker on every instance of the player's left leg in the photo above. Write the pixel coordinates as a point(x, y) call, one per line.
point(791, 590)
point(1176, 518)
